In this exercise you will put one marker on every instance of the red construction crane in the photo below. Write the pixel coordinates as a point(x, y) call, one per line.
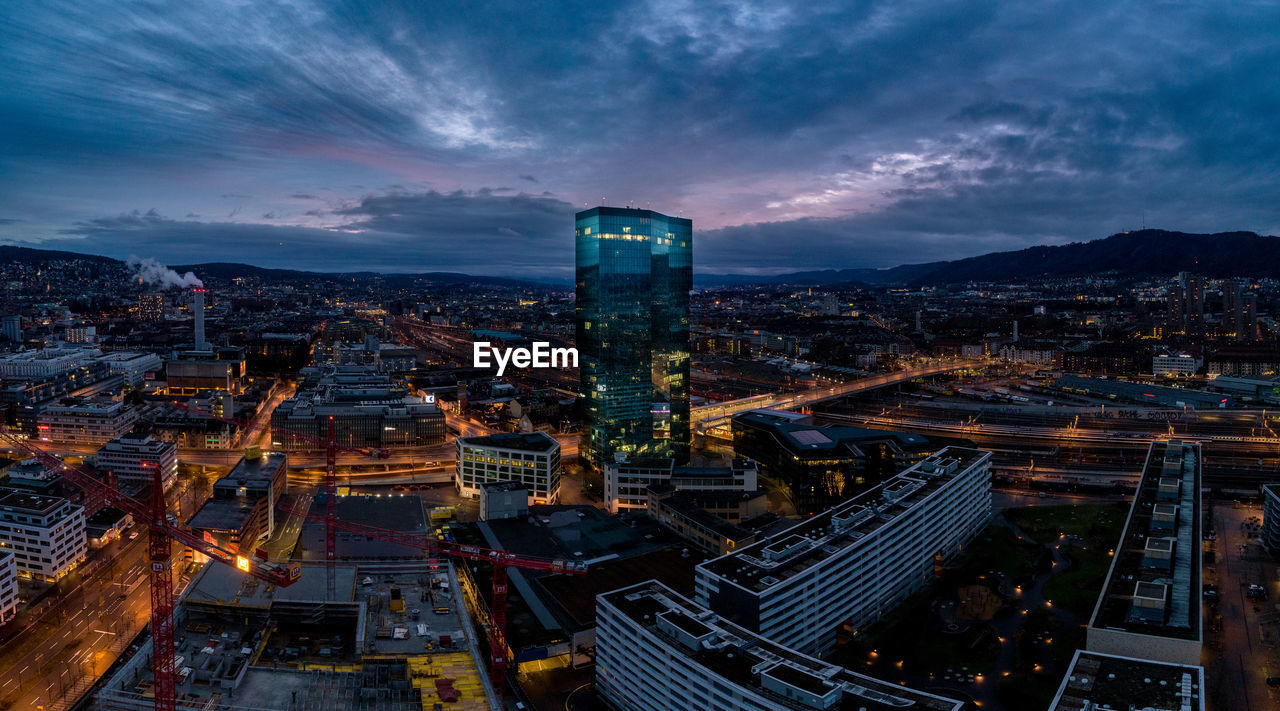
point(331, 447)
point(162, 532)
point(501, 560)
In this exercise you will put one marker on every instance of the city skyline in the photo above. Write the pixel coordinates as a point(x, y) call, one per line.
point(330, 137)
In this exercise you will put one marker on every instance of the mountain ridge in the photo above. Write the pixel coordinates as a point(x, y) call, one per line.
point(1139, 253)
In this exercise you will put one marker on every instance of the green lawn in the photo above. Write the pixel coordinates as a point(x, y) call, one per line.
point(1099, 524)
point(1076, 589)
point(999, 549)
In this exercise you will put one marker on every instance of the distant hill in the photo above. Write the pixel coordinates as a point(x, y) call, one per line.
point(11, 253)
point(1142, 253)
point(1129, 254)
point(229, 270)
point(226, 271)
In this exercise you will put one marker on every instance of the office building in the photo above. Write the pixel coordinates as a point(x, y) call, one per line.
point(134, 458)
point(531, 459)
point(45, 533)
point(134, 367)
point(503, 499)
point(855, 562)
point(1174, 365)
point(626, 484)
point(242, 510)
point(823, 466)
point(1150, 604)
point(1095, 682)
point(86, 421)
point(658, 651)
point(8, 586)
point(634, 274)
point(368, 410)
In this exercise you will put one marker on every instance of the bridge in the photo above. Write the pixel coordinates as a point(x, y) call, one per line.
point(707, 417)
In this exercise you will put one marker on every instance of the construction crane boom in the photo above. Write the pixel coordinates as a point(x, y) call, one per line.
point(501, 560)
point(331, 447)
point(162, 532)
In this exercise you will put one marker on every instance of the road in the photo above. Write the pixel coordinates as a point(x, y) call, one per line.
point(80, 637)
point(1238, 659)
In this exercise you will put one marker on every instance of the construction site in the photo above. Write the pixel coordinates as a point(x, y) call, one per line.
point(364, 609)
point(387, 642)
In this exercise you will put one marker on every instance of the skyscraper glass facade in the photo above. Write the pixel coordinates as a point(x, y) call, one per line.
point(634, 274)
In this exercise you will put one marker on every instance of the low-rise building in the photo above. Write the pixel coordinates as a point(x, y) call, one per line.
point(658, 651)
point(1174, 365)
point(626, 483)
point(711, 520)
point(135, 458)
point(825, 465)
point(45, 533)
point(242, 510)
point(107, 525)
point(86, 421)
point(134, 367)
point(503, 499)
point(528, 458)
point(856, 562)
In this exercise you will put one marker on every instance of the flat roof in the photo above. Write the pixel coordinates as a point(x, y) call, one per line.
point(773, 560)
point(535, 442)
point(223, 586)
point(19, 501)
point(1096, 680)
point(1167, 462)
point(227, 514)
point(261, 469)
point(503, 486)
point(802, 437)
point(404, 514)
point(745, 659)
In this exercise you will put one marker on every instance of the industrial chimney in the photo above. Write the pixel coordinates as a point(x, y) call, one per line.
point(197, 309)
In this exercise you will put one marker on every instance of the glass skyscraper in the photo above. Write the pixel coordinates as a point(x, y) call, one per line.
point(634, 274)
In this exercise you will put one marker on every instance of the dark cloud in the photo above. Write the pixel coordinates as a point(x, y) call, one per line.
point(794, 134)
point(477, 232)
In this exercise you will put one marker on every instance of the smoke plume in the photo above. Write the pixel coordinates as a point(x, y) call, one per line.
point(152, 272)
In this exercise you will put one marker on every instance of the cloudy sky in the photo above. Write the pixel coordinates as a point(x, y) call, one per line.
point(418, 136)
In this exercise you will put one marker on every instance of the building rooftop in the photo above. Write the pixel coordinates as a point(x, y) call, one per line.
point(534, 442)
point(1170, 476)
point(1103, 681)
point(497, 486)
point(403, 514)
point(223, 586)
point(746, 659)
point(259, 470)
point(15, 501)
point(802, 437)
point(771, 561)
